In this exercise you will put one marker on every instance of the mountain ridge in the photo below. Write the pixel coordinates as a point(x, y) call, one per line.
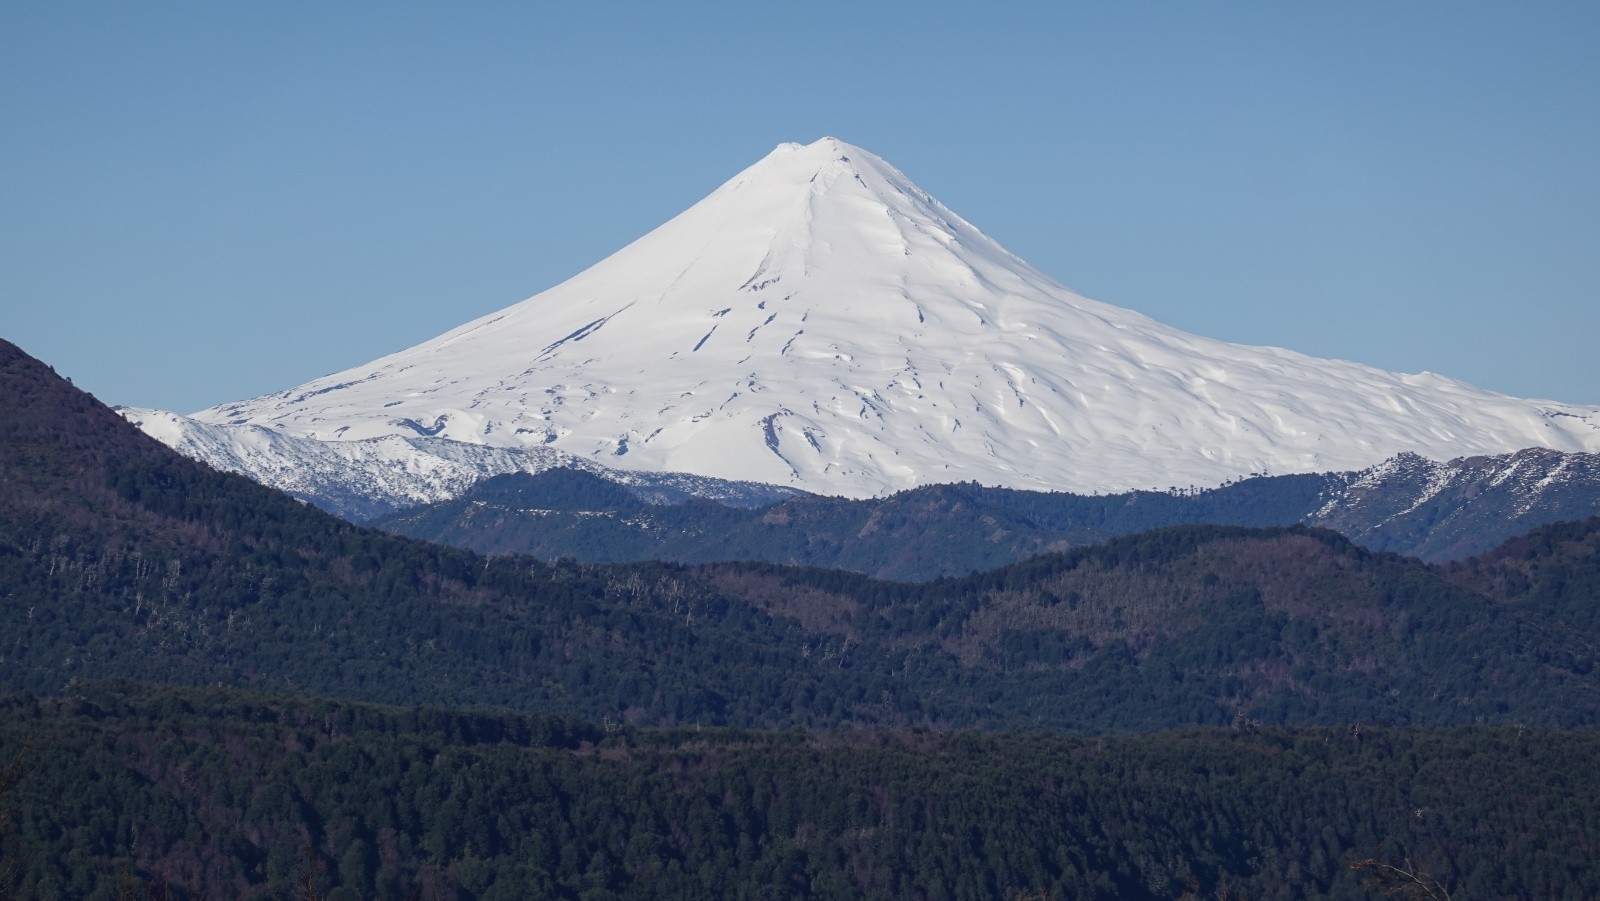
point(1412, 506)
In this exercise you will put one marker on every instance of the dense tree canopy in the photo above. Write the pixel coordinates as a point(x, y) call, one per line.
point(217, 794)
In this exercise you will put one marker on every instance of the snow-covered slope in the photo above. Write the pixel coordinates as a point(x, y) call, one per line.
point(361, 480)
point(821, 322)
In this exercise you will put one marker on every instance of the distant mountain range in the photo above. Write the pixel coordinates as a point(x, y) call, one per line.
point(1408, 505)
point(821, 323)
point(120, 558)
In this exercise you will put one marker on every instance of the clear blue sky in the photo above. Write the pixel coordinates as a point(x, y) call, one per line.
point(201, 202)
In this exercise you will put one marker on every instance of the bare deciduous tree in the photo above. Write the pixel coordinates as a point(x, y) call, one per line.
point(1405, 880)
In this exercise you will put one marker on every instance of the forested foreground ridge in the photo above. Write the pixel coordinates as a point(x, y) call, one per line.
point(212, 793)
point(121, 559)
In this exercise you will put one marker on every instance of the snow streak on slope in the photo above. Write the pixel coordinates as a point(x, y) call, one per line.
point(821, 322)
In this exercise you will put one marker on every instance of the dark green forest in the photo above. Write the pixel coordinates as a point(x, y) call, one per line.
point(219, 794)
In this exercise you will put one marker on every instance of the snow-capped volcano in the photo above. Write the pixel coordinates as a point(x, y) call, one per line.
point(821, 322)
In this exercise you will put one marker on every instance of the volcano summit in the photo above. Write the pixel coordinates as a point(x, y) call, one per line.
point(820, 322)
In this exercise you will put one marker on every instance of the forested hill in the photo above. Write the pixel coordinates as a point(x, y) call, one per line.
point(920, 534)
point(121, 559)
